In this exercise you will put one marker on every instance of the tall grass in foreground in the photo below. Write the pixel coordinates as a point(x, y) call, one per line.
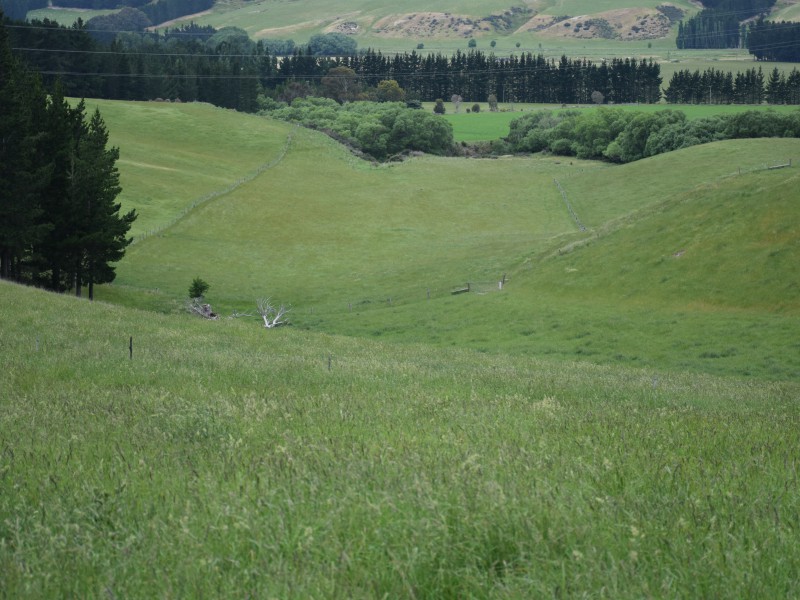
point(225, 459)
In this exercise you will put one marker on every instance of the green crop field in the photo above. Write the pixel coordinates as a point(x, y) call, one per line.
point(620, 420)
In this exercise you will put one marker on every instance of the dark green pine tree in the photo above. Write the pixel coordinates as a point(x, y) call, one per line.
point(56, 253)
point(22, 169)
point(103, 231)
point(776, 87)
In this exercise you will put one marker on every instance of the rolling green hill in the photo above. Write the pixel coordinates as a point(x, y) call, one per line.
point(377, 250)
point(221, 457)
point(620, 420)
point(174, 155)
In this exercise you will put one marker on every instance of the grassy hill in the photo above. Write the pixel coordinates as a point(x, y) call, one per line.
point(376, 251)
point(174, 155)
point(620, 420)
point(382, 22)
point(224, 458)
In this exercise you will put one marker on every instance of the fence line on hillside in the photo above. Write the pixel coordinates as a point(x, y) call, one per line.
point(569, 206)
point(764, 167)
point(217, 193)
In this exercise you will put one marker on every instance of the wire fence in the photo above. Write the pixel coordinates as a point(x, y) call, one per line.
point(217, 193)
point(569, 206)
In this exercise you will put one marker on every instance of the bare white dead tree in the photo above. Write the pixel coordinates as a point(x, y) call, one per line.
point(197, 307)
point(456, 100)
point(272, 315)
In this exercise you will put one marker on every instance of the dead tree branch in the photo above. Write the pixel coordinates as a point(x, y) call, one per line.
point(196, 307)
point(272, 315)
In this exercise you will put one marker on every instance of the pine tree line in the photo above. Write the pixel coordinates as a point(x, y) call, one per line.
point(713, 86)
point(231, 72)
point(60, 226)
point(474, 75)
point(719, 24)
point(768, 40)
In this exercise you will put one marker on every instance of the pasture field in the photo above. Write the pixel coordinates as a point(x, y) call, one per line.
point(787, 12)
point(67, 16)
point(172, 155)
point(224, 459)
point(486, 125)
point(288, 20)
point(621, 420)
point(375, 251)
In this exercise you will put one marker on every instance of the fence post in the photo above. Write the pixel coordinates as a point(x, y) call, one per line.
point(130, 347)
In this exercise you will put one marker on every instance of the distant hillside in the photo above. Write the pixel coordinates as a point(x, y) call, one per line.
point(579, 19)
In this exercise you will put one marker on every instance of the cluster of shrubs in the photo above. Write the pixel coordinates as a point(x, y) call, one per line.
point(380, 130)
point(624, 136)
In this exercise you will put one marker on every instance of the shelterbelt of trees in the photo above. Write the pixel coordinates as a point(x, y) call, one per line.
point(741, 24)
point(714, 86)
point(60, 226)
point(228, 69)
point(720, 23)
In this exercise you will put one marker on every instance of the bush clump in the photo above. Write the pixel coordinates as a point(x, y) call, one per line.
point(625, 136)
point(378, 129)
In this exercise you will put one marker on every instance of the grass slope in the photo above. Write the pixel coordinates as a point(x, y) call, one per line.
point(733, 244)
point(375, 252)
point(226, 459)
point(174, 155)
point(280, 19)
point(343, 231)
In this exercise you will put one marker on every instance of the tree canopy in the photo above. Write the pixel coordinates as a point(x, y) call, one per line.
point(380, 130)
point(60, 224)
point(625, 136)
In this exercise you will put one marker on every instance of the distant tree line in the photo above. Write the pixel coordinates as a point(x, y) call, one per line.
point(475, 75)
point(60, 225)
point(188, 63)
point(713, 86)
point(768, 40)
point(719, 24)
point(625, 136)
point(228, 69)
point(157, 11)
point(17, 10)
